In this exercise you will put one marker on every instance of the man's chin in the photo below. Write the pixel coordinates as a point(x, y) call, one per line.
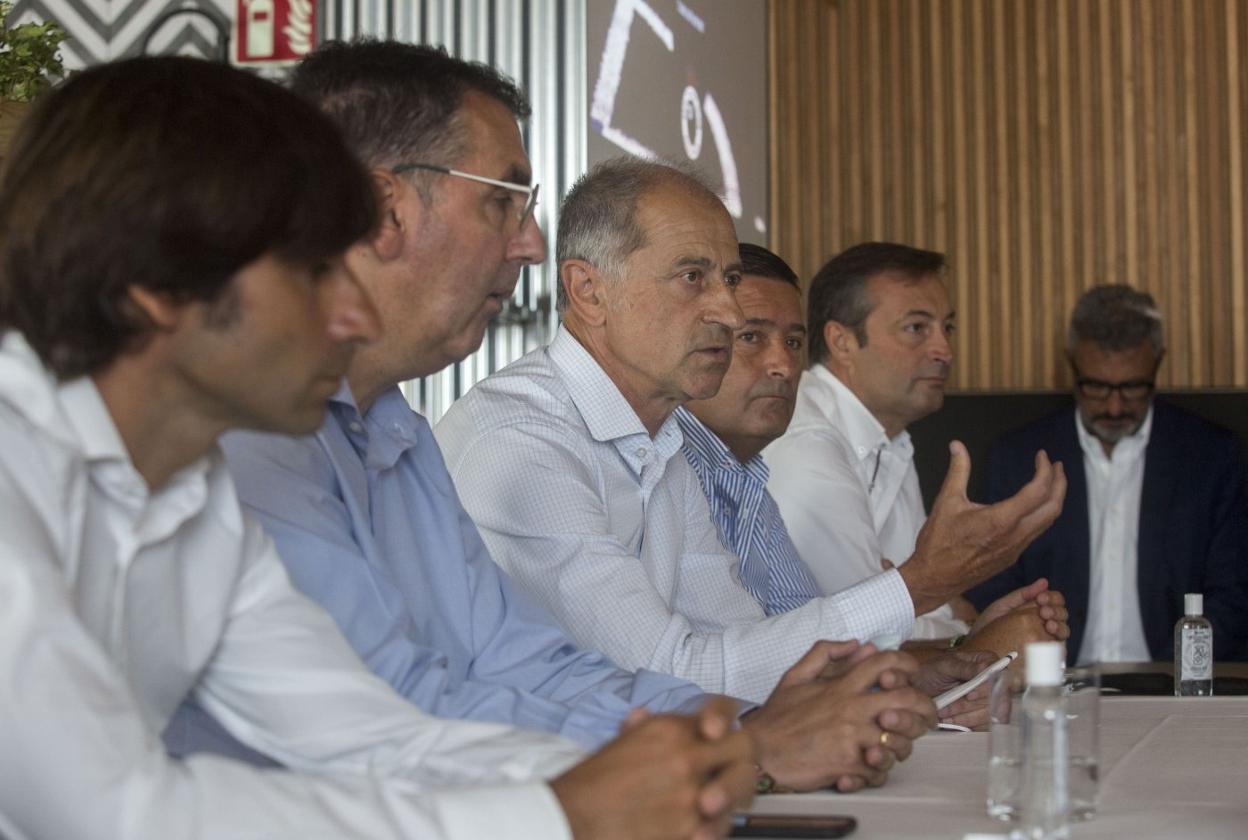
point(303, 421)
point(466, 343)
point(705, 385)
point(932, 399)
point(768, 414)
point(1115, 433)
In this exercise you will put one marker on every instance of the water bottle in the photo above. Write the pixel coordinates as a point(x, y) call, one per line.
point(1193, 650)
point(1045, 803)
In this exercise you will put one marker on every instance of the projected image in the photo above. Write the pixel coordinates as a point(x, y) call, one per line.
point(685, 81)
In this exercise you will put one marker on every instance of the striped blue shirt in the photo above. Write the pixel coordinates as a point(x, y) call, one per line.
point(747, 519)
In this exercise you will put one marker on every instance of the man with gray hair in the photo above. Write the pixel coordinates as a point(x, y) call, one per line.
point(1156, 505)
point(569, 462)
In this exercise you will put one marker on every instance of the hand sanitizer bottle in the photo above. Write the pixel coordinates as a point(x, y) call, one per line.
point(1193, 650)
point(1045, 810)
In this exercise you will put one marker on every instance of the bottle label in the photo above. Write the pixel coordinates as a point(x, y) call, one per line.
point(1197, 662)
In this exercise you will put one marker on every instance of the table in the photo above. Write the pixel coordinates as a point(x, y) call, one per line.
point(1170, 767)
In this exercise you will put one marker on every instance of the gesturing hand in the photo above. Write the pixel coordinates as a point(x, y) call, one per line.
point(964, 543)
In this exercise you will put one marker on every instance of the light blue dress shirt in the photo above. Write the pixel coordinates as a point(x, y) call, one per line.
point(368, 524)
point(748, 519)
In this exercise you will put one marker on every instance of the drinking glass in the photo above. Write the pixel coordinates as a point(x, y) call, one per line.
point(1005, 745)
point(1005, 742)
point(1083, 716)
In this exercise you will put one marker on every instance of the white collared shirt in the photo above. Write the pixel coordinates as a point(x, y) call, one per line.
point(849, 495)
point(611, 531)
point(1115, 628)
point(115, 603)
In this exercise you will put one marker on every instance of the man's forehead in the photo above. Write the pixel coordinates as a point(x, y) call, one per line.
point(895, 293)
point(1132, 362)
point(772, 300)
point(672, 216)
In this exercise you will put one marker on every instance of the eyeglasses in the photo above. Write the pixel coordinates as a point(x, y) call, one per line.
point(522, 212)
point(1095, 389)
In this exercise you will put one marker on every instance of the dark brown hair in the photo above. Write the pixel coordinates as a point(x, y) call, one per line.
point(838, 292)
point(169, 174)
point(758, 261)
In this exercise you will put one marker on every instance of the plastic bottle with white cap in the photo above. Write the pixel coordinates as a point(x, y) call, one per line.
point(1193, 650)
point(1045, 811)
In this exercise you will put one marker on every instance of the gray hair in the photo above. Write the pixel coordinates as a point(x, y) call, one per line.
point(1115, 317)
point(598, 218)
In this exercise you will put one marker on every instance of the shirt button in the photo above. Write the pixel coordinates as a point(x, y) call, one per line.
point(642, 452)
point(355, 427)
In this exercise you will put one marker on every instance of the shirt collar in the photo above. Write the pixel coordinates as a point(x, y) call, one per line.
point(388, 429)
point(708, 449)
point(1130, 446)
point(864, 432)
point(101, 445)
point(607, 414)
point(31, 390)
point(89, 417)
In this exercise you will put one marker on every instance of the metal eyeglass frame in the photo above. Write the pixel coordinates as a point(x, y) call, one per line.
point(530, 191)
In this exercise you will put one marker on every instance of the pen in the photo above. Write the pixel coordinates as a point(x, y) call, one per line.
point(958, 692)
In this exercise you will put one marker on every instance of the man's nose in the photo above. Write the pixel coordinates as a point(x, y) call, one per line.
point(941, 350)
point(528, 245)
point(349, 312)
point(781, 360)
point(722, 306)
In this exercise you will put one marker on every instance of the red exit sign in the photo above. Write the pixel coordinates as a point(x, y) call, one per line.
point(273, 31)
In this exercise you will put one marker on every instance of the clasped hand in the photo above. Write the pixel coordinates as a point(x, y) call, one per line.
point(841, 717)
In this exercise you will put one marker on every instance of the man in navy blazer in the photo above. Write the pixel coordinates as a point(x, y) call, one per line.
point(1155, 506)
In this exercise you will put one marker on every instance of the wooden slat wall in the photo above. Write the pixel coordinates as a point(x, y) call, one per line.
point(1045, 145)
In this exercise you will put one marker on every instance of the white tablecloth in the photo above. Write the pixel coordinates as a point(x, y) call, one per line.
point(1170, 767)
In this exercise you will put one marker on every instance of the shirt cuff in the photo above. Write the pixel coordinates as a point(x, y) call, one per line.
point(940, 623)
point(878, 608)
point(502, 812)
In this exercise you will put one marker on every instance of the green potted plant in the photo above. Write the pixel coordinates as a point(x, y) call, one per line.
point(29, 59)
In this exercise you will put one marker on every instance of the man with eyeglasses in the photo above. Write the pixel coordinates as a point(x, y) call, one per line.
point(364, 513)
point(1156, 504)
point(171, 268)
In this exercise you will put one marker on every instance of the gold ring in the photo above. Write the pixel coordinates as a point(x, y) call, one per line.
point(884, 738)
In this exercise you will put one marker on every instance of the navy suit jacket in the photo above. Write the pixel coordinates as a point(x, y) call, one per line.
point(1193, 531)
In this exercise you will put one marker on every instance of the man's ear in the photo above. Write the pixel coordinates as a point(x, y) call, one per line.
point(160, 309)
point(395, 216)
point(841, 342)
point(585, 289)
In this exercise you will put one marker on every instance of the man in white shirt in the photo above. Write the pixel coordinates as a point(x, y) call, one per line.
point(1157, 496)
point(726, 434)
point(364, 513)
point(171, 269)
point(569, 460)
point(843, 474)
